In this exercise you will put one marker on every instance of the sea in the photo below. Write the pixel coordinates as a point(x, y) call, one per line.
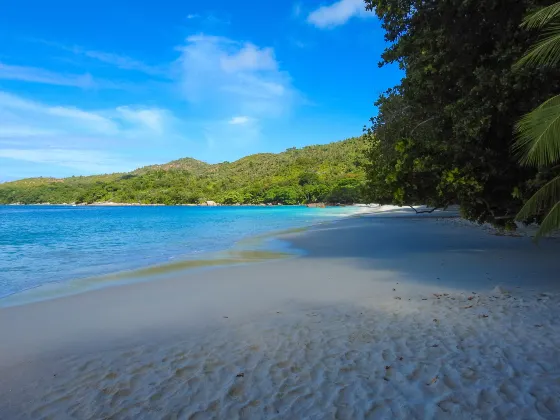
point(45, 245)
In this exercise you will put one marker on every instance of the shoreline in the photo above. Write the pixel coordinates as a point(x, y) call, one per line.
point(112, 204)
point(383, 315)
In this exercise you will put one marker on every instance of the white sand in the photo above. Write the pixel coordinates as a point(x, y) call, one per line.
point(385, 317)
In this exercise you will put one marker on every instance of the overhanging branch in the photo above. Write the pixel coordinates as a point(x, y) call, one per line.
point(424, 211)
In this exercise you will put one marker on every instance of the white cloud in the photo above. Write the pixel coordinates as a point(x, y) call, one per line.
point(337, 13)
point(249, 58)
point(221, 78)
point(153, 119)
point(37, 75)
point(242, 119)
point(225, 76)
point(86, 141)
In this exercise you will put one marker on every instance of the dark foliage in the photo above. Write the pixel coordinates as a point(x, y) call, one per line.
point(444, 135)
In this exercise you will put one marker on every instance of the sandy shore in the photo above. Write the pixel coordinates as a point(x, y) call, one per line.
point(385, 316)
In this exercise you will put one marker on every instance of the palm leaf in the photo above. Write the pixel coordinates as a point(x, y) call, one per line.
point(547, 195)
point(550, 222)
point(542, 17)
point(544, 52)
point(538, 134)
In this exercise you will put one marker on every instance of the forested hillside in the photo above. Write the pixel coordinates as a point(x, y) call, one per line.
point(332, 173)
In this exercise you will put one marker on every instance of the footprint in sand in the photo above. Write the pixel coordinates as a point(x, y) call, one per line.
point(508, 390)
point(119, 395)
point(415, 375)
point(185, 371)
point(386, 355)
point(448, 382)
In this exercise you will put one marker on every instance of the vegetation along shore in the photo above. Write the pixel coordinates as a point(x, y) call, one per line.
point(331, 173)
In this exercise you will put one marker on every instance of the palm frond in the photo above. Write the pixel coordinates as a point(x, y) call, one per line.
point(550, 223)
point(544, 52)
point(542, 17)
point(546, 196)
point(538, 134)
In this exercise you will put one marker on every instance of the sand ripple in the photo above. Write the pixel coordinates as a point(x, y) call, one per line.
point(447, 356)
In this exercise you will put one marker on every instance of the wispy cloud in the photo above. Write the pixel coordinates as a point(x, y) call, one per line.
point(119, 61)
point(83, 160)
point(337, 13)
point(26, 114)
point(213, 20)
point(231, 91)
point(150, 118)
point(86, 141)
point(122, 62)
point(296, 9)
point(297, 43)
point(15, 132)
point(37, 75)
point(209, 19)
point(239, 132)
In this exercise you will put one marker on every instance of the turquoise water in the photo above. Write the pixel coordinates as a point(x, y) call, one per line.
point(45, 244)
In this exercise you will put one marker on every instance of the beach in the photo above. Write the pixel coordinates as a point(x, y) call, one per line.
point(387, 315)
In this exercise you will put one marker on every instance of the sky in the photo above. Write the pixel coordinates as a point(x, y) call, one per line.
point(109, 86)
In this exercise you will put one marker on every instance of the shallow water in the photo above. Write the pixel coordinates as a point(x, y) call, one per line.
point(45, 244)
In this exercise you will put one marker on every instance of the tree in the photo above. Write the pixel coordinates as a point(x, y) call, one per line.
point(445, 133)
point(539, 131)
point(346, 191)
point(406, 165)
point(233, 197)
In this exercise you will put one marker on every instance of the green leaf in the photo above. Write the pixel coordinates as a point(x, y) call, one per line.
point(544, 52)
point(538, 134)
point(542, 17)
point(547, 195)
point(550, 223)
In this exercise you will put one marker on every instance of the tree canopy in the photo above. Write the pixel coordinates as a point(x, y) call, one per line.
point(445, 134)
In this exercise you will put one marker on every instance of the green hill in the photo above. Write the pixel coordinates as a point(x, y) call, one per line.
point(331, 172)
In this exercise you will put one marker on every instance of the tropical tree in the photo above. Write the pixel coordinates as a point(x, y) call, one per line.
point(444, 134)
point(539, 131)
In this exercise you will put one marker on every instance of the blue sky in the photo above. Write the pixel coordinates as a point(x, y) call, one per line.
point(108, 86)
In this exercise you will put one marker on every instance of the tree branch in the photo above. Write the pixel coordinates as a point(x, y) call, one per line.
point(424, 211)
